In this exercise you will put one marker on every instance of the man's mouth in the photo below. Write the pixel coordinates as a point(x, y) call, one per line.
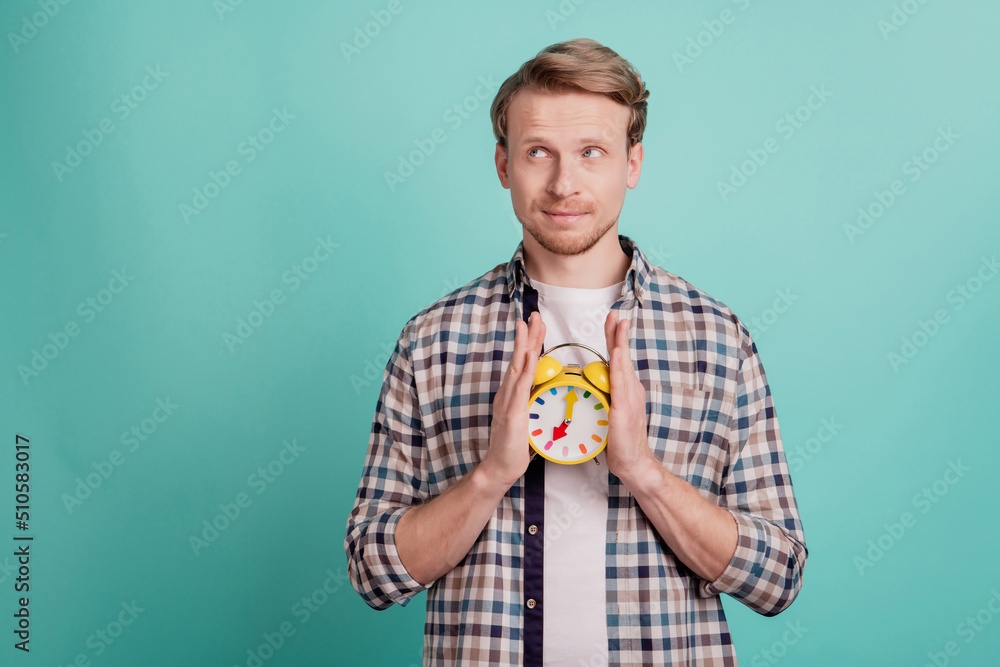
point(565, 216)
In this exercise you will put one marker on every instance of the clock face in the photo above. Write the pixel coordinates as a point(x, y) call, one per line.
point(568, 424)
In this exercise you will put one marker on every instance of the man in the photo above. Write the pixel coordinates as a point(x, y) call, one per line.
point(619, 560)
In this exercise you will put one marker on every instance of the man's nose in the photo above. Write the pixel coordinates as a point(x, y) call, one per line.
point(564, 180)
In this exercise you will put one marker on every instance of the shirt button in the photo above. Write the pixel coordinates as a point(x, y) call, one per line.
point(530, 603)
point(532, 529)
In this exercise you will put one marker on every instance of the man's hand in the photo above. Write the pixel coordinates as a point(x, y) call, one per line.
point(701, 534)
point(509, 452)
point(628, 454)
point(433, 537)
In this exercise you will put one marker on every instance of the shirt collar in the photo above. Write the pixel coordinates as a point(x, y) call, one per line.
point(636, 279)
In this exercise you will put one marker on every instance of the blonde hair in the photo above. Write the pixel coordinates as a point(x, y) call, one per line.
point(576, 65)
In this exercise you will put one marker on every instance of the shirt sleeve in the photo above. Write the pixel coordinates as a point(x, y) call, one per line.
point(391, 482)
point(765, 572)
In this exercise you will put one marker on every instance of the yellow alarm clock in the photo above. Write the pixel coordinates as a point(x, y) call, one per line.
point(568, 410)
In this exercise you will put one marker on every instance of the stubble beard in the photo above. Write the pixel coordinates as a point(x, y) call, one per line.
point(570, 242)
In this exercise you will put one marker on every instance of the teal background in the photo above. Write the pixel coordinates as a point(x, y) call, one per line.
point(302, 374)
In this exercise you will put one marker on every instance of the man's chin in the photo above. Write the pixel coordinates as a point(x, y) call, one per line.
point(567, 241)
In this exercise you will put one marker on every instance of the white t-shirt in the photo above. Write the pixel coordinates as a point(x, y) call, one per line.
point(576, 497)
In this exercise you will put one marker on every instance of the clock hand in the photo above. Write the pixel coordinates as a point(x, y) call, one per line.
point(560, 431)
point(571, 400)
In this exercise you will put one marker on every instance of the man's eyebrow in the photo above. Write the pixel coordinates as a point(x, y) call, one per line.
point(584, 141)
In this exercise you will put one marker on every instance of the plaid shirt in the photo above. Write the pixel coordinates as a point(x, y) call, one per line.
point(711, 422)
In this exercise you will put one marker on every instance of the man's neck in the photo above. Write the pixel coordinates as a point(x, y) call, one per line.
point(605, 264)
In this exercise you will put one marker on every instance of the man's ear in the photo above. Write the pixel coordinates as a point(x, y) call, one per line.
point(500, 157)
point(634, 164)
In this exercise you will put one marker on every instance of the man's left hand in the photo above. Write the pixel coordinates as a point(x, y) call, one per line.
point(628, 454)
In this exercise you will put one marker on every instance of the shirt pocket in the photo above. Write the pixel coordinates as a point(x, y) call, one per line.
point(686, 433)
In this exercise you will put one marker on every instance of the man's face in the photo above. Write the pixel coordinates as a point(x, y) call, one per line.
point(567, 166)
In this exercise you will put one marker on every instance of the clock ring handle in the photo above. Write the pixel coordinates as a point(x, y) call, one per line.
point(556, 347)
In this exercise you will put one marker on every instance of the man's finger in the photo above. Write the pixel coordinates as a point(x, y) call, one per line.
point(540, 339)
point(530, 349)
point(623, 343)
point(616, 377)
point(517, 360)
point(501, 399)
point(527, 377)
point(533, 339)
point(609, 329)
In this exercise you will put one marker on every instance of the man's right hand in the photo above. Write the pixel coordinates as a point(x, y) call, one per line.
point(433, 537)
point(509, 452)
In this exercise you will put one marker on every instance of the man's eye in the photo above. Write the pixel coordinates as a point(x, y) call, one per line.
point(534, 149)
point(592, 149)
